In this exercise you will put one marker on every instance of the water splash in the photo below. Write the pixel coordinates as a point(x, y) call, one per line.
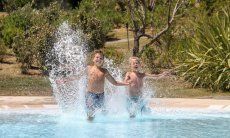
point(68, 60)
point(115, 96)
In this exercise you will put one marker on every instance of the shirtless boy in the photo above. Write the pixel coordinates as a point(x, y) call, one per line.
point(96, 81)
point(96, 75)
point(135, 79)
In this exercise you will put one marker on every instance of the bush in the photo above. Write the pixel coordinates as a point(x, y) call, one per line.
point(14, 25)
point(30, 32)
point(208, 62)
point(96, 19)
point(148, 57)
point(116, 56)
point(3, 50)
point(12, 5)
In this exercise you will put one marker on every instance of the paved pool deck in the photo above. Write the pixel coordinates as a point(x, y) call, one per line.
point(48, 102)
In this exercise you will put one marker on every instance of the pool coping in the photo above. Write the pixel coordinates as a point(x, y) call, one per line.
point(48, 102)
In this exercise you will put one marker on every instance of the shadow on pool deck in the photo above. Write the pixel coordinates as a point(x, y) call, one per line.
point(48, 102)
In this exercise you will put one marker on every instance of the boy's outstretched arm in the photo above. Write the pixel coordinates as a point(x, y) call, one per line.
point(113, 81)
point(70, 78)
point(66, 79)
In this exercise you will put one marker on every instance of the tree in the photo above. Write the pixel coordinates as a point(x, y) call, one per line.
point(141, 14)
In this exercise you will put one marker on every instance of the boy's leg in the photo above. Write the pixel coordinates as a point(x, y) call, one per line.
point(132, 106)
point(100, 103)
point(144, 108)
point(90, 105)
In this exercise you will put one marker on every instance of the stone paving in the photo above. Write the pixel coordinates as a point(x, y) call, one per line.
point(47, 102)
point(27, 102)
point(184, 103)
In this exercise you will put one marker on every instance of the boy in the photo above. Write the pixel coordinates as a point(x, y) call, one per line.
point(135, 80)
point(96, 80)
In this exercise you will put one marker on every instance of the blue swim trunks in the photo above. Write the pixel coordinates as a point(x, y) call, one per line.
point(94, 101)
point(136, 104)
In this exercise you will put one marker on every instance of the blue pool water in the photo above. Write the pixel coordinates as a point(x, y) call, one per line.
point(186, 125)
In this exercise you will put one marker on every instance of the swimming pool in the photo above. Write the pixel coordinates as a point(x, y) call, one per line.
point(160, 125)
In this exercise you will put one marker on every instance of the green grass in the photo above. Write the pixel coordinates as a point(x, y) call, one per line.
point(11, 85)
point(123, 46)
point(178, 88)
point(120, 33)
point(24, 85)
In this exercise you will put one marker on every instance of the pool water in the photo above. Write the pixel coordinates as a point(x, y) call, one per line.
point(182, 125)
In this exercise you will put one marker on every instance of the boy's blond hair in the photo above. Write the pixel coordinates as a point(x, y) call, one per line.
point(134, 58)
point(98, 52)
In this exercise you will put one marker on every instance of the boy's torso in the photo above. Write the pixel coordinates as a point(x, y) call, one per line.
point(96, 79)
point(136, 83)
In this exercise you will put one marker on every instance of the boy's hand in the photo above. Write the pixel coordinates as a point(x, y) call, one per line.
point(61, 81)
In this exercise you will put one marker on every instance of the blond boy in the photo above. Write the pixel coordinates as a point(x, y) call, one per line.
point(96, 81)
point(96, 75)
point(135, 80)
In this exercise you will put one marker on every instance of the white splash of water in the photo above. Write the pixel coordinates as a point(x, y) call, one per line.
point(115, 95)
point(68, 60)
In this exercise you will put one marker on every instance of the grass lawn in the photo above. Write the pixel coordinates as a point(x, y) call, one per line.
point(13, 83)
point(24, 85)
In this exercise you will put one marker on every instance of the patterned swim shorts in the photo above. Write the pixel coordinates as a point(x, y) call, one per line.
point(94, 101)
point(136, 104)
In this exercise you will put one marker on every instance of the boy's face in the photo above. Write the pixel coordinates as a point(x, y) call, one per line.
point(98, 60)
point(135, 65)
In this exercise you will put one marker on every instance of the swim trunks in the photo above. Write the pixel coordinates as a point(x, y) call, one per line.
point(136, 104)
point(94, 101)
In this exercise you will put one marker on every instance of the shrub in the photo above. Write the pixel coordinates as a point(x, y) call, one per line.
point(14, 25)
point(148, 57)
point(11, 5)
point(3, 50)
point(96, 19)
point(208, 62)
point(116, 56)
point(30, 32)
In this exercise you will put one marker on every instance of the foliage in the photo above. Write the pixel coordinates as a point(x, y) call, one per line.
point(14, 25)
point(208, 62)
point(93, 28)
point(12, 5)
point(96, 19)
point(148, 57)
point(112, 53)
point(213, 6)
point(3, 50)
point(29, 33)
point(154, 59)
